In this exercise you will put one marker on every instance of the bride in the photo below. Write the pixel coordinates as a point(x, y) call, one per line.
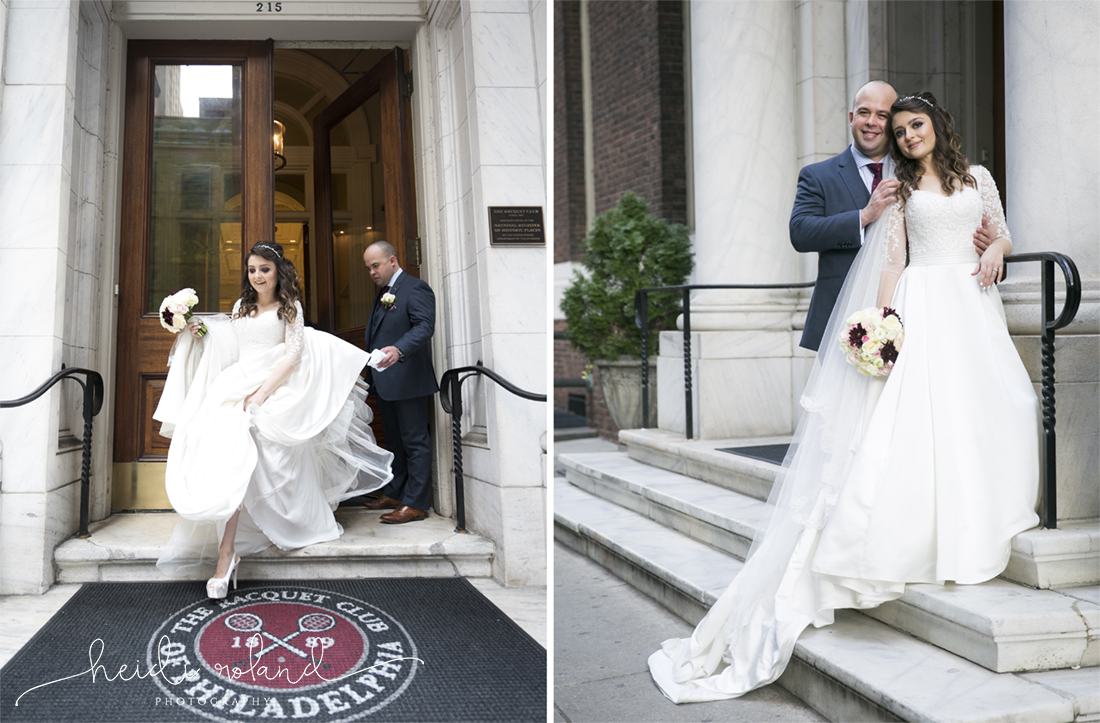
point(269, 429)
point(923, 477)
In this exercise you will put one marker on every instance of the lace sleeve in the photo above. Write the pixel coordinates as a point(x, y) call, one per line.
point(894, 263)
point(991, 203)
point(295, 336)
point(236, 306)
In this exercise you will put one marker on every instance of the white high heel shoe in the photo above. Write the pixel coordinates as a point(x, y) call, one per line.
point(218, 587)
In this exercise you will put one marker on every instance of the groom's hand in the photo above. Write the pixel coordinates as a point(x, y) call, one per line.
point(983, 236)
point(883, 196)
point(392, 355)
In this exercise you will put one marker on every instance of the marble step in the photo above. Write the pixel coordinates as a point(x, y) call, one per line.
point(855, 669)
point(125, 547)
point(1066, 557)
point(1000, 624)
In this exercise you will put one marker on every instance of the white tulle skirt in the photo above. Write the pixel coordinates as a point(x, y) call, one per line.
point(286, 465)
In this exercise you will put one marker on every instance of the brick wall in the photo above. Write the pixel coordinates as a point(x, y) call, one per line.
point(637, 71)
point(569, 202)
point(638, 104)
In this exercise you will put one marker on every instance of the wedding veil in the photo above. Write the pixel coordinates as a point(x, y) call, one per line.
point(838, 402)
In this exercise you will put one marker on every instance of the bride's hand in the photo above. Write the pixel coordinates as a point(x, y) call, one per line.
point(989, 266)
point(255, 398)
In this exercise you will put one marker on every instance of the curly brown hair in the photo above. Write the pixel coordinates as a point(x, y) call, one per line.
point(947, 155)
point(286, 283)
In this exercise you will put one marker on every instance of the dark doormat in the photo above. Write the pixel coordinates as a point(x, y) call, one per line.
point(765, 452)
point(424, 649)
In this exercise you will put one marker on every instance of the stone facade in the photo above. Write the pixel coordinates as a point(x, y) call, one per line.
point(758, 112)
point(480, 76)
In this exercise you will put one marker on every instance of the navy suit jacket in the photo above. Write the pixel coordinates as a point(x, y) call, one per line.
point(825, 219)
point(409, 326)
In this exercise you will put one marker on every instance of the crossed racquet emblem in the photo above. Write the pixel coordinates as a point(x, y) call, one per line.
point(309, 623)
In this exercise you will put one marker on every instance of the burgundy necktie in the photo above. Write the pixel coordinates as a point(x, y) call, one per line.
point(876, 171)
point(380, 295)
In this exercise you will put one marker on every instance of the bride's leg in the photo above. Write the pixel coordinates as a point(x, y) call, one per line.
point(225, 550)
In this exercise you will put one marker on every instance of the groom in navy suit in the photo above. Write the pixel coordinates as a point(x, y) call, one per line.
point(401, 323)
point(837, 198)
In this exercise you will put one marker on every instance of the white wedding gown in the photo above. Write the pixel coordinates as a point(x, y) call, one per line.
point(940, 471)
point(286, 464)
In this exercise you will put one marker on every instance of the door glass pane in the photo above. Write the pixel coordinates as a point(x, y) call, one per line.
point(196, 184)
point(358, 209)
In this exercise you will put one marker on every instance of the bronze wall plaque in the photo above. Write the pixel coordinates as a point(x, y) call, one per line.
point(516, 226)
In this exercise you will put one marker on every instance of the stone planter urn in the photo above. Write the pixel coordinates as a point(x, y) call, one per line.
point(621, 384)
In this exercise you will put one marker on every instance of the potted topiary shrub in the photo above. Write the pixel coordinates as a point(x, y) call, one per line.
point(627, 249)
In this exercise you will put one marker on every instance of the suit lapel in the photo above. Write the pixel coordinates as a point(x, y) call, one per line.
point(849, 174)
point(379, 312)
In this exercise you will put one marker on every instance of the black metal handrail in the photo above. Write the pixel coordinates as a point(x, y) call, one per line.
point(450, 396)
point(641, 318)
point(93, 403)
point(1048, 469)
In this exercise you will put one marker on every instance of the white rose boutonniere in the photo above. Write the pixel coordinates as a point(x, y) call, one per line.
point(389, 301)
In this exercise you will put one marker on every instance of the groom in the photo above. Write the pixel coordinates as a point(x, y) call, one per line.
point(838, 198)
point(401, 323)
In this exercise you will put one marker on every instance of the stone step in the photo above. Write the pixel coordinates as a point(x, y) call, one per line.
point(125, 547)
point(855, 669)
point(1000, 624)
point(1066, 557)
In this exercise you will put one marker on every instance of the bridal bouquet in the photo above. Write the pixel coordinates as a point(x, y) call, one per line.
point(872, 339)
point(175, 311)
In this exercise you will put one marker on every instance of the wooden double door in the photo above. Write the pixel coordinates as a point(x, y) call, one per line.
point(199, 190)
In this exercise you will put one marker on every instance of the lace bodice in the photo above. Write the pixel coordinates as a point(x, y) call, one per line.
point(257, 334)
point(943, 226)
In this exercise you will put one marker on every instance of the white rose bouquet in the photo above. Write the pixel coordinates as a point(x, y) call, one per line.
point(175, 311)
point(872, 340)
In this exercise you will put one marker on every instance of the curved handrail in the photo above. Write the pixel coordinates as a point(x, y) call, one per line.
point(451, 374)
point(93, 377)
point(450, 396)
point(93, 404)
point(1071, 275)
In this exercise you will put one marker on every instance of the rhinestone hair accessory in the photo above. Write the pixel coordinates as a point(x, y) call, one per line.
point(273, 249)
point(917, 97)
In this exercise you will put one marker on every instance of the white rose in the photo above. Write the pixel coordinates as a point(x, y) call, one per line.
point(388, 299)
point(891, 324)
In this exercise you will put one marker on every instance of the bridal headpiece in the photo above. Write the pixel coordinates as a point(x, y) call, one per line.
point(274, 250)
point(917, 97)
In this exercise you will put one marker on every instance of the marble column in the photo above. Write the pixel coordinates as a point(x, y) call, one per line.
point(491, 73)
point(1052, 153)
point(39, 497)
point(744, 112)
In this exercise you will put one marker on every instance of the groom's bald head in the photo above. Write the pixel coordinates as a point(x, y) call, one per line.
point(869, 115)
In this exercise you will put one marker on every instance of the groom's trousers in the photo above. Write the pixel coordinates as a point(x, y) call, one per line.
point(405, 424)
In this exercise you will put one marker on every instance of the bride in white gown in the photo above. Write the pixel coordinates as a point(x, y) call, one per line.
point(269, 428)
point(922, 477)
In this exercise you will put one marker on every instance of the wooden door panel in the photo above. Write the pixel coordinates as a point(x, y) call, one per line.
point(143, 346)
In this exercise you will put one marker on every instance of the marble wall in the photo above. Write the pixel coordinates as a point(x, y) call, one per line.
point(1052, 153)
point(745, 109)
point(490, 77)
point(51, 156)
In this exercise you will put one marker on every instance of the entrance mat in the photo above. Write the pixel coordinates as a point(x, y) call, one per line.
point(425, 649)
point(764, 452)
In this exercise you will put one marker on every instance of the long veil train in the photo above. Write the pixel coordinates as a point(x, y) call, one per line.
point(751, 616)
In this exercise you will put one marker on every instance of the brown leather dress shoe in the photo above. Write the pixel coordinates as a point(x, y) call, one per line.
point(403, 514)
point(382, 503)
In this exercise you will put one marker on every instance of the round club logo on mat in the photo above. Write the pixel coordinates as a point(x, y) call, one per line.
point(282, 651)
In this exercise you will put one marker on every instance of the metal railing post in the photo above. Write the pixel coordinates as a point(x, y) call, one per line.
point(642, 319)
point(689, 414)
point(1049, 465)
point(93, 403)
point(450, 397)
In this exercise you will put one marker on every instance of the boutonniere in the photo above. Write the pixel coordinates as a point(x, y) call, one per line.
point(389, 301)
